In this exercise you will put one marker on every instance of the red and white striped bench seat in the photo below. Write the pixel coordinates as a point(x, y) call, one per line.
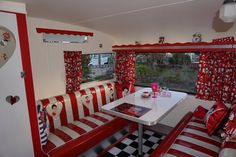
point(189, 139)
point(77, 123)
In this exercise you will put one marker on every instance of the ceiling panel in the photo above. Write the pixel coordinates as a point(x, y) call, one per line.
point(127, 17)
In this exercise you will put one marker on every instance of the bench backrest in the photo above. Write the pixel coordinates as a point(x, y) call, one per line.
point(64, 109)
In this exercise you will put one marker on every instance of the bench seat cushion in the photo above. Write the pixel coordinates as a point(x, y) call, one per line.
point(195, 141)
point(189, 139)
point(75, 120)
point(75, 130)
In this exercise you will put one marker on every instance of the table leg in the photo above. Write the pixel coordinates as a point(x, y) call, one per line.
point(140, 140)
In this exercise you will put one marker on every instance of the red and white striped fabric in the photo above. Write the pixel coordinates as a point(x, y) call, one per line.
point(76, 114)
point(74, 130)
point(194, 141)
point(73, 106)
point(190, 138)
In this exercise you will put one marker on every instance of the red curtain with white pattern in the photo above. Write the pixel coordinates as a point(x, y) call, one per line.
point(217, 76)
point(125, 67)
point(73, 69)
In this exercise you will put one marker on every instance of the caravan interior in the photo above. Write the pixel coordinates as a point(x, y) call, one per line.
point(102, 78)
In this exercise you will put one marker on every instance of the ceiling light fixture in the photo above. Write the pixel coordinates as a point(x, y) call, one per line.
point(228, 11)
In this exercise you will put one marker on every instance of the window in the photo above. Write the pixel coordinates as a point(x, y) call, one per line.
point(176, 71)
point(97, 66)
point(64, 38)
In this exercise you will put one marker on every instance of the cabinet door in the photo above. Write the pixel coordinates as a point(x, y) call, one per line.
point(15, 132)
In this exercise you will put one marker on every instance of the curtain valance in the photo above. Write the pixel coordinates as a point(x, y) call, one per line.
point(67, 32)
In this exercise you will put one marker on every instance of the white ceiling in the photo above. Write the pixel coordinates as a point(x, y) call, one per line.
point(127, 17)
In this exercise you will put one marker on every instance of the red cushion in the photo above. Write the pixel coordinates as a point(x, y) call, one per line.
point(200, 112)
point(124, 89)
point(230, 127)
point(215, 116)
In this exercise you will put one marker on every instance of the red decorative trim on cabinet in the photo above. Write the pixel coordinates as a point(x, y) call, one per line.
point(25, 55)
point(68, 32)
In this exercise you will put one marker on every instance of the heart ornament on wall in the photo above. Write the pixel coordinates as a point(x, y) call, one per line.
point(7, 45)
point(12, 99)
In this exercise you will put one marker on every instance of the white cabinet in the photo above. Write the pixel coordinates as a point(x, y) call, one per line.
point(15, 118)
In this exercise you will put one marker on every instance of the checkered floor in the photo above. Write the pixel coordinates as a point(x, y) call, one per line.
point(128, 147)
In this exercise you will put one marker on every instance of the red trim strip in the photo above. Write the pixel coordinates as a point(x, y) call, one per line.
point(76, 129)
point(178, 47)
point(197, 147)
point(204, 139)
point(74, 106)
point(175, 44)
point(68, 32)
point(11, 12)
point(62, 135)
point(179, 153)
point(29, 88)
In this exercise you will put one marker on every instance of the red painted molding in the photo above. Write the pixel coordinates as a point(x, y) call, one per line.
point(68, 32)
point(25, 55)
point(11, 12)
point(178, 47)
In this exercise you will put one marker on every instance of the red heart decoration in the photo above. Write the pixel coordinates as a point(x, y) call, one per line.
point(12, 99)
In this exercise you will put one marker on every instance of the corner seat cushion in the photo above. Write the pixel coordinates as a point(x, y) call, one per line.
point(195, 141)
point(189, 139)
point(75, 130)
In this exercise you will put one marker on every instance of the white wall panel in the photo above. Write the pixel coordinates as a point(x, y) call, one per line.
point(47, 58)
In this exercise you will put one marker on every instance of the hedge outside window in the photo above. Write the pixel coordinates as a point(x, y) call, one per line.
point(97, 67)
point(176, 71)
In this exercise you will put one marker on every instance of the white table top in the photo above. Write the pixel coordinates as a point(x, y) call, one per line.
point(159, 106)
